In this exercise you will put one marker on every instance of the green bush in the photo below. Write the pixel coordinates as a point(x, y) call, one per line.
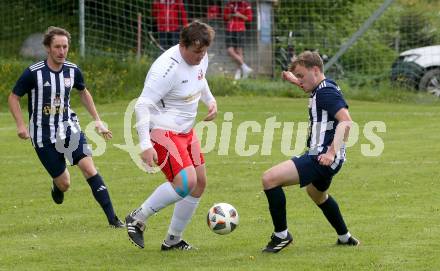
point(221, 86)
point(10, 70)
point(110, 79)
point(22, 18)
point(415, 30)
point(405, 24)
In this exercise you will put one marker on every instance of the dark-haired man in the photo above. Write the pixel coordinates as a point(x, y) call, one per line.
point(166, 112)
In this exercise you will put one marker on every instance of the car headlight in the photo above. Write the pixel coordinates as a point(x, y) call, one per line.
point(411, 58)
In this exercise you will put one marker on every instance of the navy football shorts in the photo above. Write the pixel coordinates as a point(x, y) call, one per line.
point(234, 39)
point(54, 161)
point(310, 171)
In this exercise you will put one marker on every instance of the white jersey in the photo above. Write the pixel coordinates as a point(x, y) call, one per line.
point(171, 94)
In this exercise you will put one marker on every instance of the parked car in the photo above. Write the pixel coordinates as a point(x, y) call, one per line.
point(419, 68)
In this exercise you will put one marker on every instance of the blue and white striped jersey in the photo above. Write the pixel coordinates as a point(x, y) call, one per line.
point(49, 100)
point(324, 102)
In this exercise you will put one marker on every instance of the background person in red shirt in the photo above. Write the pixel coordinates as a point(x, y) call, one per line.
point(170, 16)
point(236, 14)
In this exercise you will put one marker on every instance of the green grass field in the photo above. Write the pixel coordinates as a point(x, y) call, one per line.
point(390, 202)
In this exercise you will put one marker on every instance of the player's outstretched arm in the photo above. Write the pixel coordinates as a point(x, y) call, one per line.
point(87, 101)
point(289, 77)
point(14, 107)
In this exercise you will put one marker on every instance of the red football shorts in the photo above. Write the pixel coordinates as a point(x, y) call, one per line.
point(176, 151)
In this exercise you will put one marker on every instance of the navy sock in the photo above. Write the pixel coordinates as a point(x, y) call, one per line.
point(331, 211)
point(101, 195)
point(277, 207)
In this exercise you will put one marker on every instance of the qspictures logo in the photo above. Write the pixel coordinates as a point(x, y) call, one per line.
point(228, 137)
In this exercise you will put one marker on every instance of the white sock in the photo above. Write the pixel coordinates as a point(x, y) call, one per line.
point(344, 238)
point(281, 234)
point(245, 67)
point(183, 211)
point(237, 74)
point(163, 196)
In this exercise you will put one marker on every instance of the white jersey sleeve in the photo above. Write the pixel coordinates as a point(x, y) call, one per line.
point(157, 84)
point(207, 96)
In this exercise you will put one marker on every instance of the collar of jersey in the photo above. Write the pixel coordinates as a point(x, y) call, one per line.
point(45, 63)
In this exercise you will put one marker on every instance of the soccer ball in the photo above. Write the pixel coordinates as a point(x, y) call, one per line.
point(222, 218)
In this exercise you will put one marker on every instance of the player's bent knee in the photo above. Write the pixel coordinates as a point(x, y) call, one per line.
point(318, 197)
point(63, 181)
point(318, 200)
point(266, 180)
point(188, 184)
point(63, 185)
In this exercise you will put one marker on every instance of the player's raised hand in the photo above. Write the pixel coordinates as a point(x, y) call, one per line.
point(288, 76)
point(102, 130)
point(23, 132)
point(212, 111)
